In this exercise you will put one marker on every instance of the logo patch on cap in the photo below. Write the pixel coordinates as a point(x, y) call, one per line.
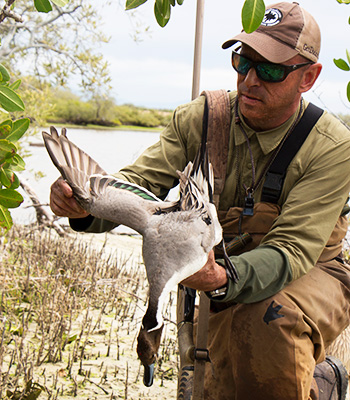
point(272, 17)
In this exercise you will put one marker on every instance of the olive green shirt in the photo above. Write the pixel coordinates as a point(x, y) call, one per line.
point(315, 190)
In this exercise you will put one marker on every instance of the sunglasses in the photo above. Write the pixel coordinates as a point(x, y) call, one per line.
point(266, 71)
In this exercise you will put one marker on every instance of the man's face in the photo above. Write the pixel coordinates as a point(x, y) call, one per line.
point(266, 105)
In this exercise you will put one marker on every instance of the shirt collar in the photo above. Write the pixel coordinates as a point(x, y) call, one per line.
point(268, 140)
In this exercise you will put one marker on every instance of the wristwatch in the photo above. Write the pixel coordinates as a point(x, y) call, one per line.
point(221, 292)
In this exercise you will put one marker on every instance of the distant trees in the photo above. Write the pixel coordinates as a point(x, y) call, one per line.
point(68, 108)
point(51, 44)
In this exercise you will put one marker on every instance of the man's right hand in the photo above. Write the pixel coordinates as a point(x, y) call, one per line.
point(62, 202)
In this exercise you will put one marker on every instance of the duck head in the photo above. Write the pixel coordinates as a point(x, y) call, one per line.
point(148, 343)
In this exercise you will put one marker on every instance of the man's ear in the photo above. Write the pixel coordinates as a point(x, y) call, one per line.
point(309, 77)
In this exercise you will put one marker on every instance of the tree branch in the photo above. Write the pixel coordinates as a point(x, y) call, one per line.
point(43, 217)
point(6, 12)
point(59, 14)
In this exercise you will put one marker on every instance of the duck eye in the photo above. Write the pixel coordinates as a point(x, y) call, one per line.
point(207, 220)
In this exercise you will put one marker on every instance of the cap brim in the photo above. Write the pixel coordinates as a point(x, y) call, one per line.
point(265, 45)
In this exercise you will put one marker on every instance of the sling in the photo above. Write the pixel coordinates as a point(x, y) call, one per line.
point(276, 173)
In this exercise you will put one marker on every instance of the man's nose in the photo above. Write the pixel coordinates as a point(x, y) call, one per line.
point(251, 79)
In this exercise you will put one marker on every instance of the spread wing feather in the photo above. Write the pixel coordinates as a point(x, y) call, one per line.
point(85, 175)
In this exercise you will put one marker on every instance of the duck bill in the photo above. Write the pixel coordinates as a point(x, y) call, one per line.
point(148, 375)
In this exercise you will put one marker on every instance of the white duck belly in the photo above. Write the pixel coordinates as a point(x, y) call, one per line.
point(175, 247)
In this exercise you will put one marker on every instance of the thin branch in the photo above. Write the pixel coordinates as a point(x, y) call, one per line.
point(59, 14)
point(43, 217)
point(6, 12)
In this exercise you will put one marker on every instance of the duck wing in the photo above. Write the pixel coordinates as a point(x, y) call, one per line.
point(102, 195)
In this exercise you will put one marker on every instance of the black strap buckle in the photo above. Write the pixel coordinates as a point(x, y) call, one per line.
point(272, 187)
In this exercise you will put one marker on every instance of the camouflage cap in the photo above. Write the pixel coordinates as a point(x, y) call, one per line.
point(286, 30)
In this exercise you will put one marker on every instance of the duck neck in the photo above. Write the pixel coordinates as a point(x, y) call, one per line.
point(149, 321)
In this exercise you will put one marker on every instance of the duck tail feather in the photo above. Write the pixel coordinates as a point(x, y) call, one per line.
point(201, 172)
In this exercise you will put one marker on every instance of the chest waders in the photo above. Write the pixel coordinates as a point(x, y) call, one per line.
point(243, 229)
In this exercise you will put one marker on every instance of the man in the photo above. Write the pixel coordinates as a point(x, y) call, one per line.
point(268, 331)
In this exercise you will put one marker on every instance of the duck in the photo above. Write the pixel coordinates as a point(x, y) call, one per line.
point(177, 236)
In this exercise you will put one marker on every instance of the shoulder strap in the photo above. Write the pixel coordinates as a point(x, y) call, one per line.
point(275, 175)
point(218, 133)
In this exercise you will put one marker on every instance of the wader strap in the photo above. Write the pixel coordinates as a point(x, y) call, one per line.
point(201, 353)
point(216, 132)
point(217, 135)
point(275, 175)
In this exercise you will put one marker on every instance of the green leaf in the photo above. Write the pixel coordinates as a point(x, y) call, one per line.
point(342, 64)
point(348, 91)
point(5, 128)
point(9, 179)
point(5, 218)
point(43, 5)
point(14, 181)
point(343, 1)
point(15, 85)
point(172, 2)
point(10, 100)
point(253, 12)
point(6, 122)
point(130, 4)
point(7, 150)
point(162, 11)
point(10, 198)
point(17, 163)
point(180, 2)
point(348, 55)
point(4, 73)
point(5, 178)
point(19, 128)
point(60, 3)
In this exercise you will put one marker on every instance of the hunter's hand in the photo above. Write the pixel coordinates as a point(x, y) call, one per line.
point(62, 202)
point(211, 276)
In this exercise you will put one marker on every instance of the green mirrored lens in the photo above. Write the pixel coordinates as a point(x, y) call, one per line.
point(270, 72)
point(241, 64)
point(265, 71)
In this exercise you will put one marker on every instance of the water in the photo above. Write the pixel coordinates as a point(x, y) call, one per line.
point(111, 149)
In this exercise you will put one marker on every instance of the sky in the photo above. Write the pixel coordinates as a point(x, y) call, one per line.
point(156, 72)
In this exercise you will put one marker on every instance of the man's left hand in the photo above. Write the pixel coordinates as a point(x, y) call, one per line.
point(212, 276)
